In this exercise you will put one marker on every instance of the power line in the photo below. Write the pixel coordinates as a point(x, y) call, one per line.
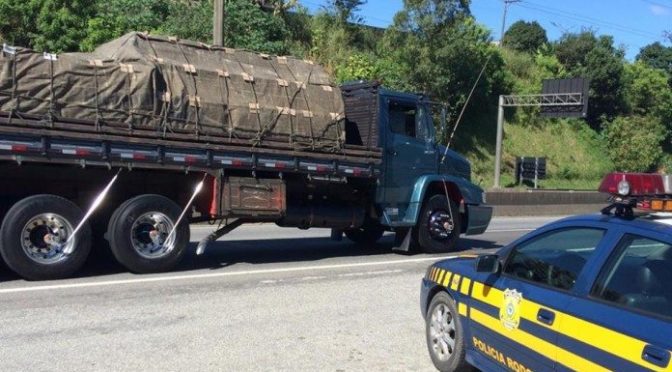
point(588, 20)
point(658, 4)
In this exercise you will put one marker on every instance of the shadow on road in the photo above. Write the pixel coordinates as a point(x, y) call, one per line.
point(223, 254)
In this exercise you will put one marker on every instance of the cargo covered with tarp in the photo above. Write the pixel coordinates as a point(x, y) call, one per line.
point(142, 85)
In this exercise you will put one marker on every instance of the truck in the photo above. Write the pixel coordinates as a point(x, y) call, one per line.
point(124, 147)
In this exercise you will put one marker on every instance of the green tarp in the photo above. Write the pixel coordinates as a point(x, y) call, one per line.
point(142, 82)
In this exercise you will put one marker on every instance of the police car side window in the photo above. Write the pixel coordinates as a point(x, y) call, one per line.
point(638, 276)
point(555, 258)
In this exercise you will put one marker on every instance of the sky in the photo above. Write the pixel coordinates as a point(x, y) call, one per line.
point(632, 23)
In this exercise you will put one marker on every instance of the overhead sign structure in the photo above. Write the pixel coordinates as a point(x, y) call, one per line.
point(576, 87)
point(560, 98)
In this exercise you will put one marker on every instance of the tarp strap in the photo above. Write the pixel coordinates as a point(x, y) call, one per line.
point(52, 95)
point(99, 120)
point(281, 111)
point(303, 88)
point(166, 103)
point(15, 87)
point(290, 101)
point(128, 69)
point(165, 110)
point(191, 70)
point(224, 97)
point(250, 79)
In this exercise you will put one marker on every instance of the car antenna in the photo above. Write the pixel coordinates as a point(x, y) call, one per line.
point(464, 107)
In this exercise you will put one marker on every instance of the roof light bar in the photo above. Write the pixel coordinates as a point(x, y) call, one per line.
point(636, 184)
point(645, 191)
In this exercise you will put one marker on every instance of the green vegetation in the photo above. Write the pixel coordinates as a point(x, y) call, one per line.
point(525, 37)
point(433, 46)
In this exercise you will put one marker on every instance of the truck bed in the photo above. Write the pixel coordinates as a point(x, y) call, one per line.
point(27, 139)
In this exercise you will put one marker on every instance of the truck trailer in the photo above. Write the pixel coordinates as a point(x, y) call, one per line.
point(126, 146)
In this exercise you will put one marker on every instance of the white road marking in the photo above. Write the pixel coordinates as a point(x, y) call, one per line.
point(218, 275)
point(370, 273)
point(309, 278)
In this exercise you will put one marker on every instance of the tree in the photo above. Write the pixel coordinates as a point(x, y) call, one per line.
point(647, 91)
point(526, 37)
point(656, 55)
point(247, 26)
point(437, 48)
point(634, 143)
point(250, 27)
point(346, 10)
point(18, 21)
point(586, 55)
point(192, 20)
point(117, 17)
point(45, 25)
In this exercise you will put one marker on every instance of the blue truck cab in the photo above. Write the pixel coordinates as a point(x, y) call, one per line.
point(425, 193)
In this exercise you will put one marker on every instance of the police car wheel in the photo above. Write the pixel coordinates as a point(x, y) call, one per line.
point(445, 338)
point(439, 227)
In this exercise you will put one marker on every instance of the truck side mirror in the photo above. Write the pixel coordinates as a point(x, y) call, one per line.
point(488, 264)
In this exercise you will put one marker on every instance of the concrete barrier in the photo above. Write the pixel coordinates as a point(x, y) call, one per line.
point(545, 202)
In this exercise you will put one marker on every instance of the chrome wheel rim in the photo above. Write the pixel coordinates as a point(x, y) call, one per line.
point(442, 332)
point(149, 233)
point(440, 225)
point(45, 237)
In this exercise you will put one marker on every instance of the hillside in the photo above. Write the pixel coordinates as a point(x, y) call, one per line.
point(575, 155)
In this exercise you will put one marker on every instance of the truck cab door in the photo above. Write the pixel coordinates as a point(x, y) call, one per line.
point(410, 152)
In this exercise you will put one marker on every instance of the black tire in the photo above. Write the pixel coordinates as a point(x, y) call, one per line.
point(455, 359)
point(120, 232)
point(438, 205)
point(368, 234)
point(12, 238)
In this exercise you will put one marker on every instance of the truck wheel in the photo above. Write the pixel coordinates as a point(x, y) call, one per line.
point(445, 337)
point(138, 230)
point(436, 231)
point(365, 235)
point(35, 233)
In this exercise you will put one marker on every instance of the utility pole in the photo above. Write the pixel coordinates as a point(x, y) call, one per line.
point(507, 3)
point(500, 110)
point(218, 23)
point(498, 143)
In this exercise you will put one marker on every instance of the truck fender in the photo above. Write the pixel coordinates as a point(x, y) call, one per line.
point(470, 193)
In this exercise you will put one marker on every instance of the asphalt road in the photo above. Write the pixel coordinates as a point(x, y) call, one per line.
point(264, 299)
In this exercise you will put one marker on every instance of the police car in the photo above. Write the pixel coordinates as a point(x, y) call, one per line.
point(586, 293)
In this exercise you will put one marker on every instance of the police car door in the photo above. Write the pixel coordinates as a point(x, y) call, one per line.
point(624, 321)
point(513, 318)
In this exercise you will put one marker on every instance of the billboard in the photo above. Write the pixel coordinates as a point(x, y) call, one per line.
point(565, 87)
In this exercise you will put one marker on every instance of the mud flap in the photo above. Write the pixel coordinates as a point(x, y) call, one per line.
point(336, 235)
point(402, 240)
